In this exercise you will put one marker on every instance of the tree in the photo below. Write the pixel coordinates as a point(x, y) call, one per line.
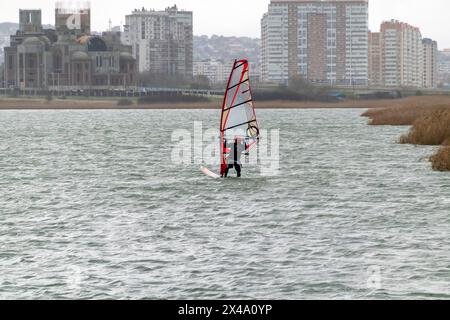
point(305, 89)
point(300, 85)
point(200, 82)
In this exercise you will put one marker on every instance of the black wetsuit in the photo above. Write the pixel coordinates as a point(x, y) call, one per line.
point(234, 160)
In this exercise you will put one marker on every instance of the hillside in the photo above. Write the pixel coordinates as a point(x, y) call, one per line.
point(205, 48)
point(226, 48)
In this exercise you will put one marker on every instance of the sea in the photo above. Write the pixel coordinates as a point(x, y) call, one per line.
point(93, 206)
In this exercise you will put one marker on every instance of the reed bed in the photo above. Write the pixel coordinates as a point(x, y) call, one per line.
point(404, 112)
point(430, 121)
point(441, 160)
point(432, 129)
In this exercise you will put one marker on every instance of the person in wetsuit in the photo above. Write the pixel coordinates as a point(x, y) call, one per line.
point(236, 148)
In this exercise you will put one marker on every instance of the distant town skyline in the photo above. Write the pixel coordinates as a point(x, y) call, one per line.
point(242, 18)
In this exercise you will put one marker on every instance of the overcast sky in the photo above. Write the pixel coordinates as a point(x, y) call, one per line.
point(242, 17)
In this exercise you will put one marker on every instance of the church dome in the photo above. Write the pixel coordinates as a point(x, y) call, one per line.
point(79, 55)
point(94, 43)
point(32, 41)
point(45, 40)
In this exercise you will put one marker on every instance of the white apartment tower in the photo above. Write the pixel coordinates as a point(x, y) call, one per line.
point(323, 41)
point(402, 59)
point(162, 41)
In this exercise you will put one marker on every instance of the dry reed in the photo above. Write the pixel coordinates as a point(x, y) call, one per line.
point(404, 112)
point(430, 120)
point(433, 129)
point(441, 160)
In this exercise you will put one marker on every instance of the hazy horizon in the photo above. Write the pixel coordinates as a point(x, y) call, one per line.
point(216, 19)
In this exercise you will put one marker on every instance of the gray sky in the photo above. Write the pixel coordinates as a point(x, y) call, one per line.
point(242, 17)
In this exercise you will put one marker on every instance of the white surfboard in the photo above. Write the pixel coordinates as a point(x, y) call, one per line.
point(209, 173)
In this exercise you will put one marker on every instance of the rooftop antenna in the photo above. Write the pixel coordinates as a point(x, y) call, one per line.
point(110, 25)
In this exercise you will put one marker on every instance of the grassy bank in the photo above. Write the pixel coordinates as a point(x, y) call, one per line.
point(83, 103)
point(429, 118)
point(206, 103)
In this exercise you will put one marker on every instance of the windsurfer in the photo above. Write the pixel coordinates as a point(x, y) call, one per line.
point(239, 129)
point(237, 148)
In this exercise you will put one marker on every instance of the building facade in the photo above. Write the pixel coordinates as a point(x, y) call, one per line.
point(68, 57)
point(444, 68)
point(430, 63)
point(399, 57)
point(375, 59)
point(162, 41)
point(324, 42)
point(402, 54)
point(217, 71)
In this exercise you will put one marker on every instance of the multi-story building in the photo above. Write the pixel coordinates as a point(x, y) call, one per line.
point(68, 57)
point(162, 41)
point(402, 54)
point(444, 68)
point(322, 41)
point(399, 57)
point(216, 71)
point(6, 30)
point(430, 63)
point(375, 59)
point(445, 52)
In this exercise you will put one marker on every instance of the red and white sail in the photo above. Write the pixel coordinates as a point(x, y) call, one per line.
point(238, 113)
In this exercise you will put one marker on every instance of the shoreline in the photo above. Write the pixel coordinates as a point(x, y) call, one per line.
point(111, 104)
point(429, 125)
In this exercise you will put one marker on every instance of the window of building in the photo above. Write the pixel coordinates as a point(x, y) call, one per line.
point(99, 61)
point(58, 63)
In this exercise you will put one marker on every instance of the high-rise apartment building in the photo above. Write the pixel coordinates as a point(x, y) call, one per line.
point(430, 63)
point(402, 54)
point(375, 59)
point(323, 41)
point(162, 41)
point(444, 68)
point(399, 57)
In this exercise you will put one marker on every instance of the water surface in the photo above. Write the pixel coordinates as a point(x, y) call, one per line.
point(92, 207)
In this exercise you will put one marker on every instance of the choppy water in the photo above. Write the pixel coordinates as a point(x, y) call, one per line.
point(91, 207)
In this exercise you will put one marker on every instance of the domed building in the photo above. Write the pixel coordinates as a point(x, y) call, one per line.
point(66, 58)
point(32, 56)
